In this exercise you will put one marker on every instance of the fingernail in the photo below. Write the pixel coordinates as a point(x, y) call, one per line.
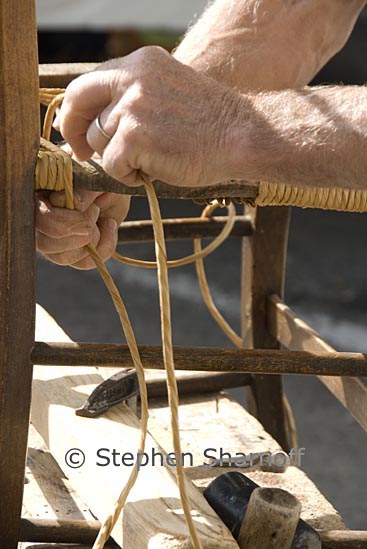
point(79, 231)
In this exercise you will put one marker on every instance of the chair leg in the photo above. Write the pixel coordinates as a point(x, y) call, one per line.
point(263, 271)
point(19, 138)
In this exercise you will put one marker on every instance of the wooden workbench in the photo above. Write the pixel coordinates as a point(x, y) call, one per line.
point(206, 421)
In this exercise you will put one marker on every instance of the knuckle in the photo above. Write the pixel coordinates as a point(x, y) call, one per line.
point(74, 88)
point(112, 164)
point(135, 99)
point(153, 52)
point(108, 249)
point(131, 136)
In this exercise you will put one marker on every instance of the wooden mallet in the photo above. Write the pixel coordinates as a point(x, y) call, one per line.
point(260, 518)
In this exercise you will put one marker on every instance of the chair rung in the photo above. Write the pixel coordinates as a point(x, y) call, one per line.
point(198, 383)
point(186, 228)
point(203, 359)
point(60, 531)
point(85, 532)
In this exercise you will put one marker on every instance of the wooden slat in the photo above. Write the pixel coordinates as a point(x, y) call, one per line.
point(49, 500)
point(263, 271)
point(19, 131)
point(202, 359)
point(180, 229)
point(57, 392)
point(47, 491)
point(295, 334)
point(59, 75)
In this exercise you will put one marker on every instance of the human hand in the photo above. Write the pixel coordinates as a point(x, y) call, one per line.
point(164, 119)
point(62, 235)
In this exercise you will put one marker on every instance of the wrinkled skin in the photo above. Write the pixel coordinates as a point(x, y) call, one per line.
point(164, 119)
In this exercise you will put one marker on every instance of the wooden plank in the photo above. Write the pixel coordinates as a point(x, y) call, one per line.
point(59, 75)
point(48, 493)
point(19, 134)
point(295, 334)
point(205, 359)
point(56, 394)
point(180, 229)
point(263, 272)
point(52, 510)
point(207, 422)
point(211, 422)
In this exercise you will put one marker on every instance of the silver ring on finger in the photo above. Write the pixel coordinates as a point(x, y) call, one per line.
point(101, 130)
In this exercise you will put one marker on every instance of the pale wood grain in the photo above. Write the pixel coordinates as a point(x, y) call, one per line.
point(19, 140)
point(295, 334)
point(57, 391)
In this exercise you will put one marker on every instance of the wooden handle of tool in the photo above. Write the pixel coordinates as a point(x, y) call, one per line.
point(271, 520)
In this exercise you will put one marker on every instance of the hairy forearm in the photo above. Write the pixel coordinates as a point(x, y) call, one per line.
point(268, 44)
point(315, 136)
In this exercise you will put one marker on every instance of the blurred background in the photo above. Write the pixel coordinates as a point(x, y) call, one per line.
point(326, 281)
